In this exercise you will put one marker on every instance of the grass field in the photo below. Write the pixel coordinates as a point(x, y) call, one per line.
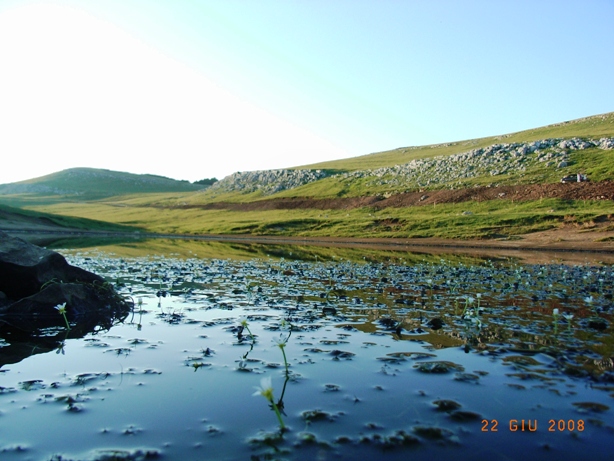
point(490, 219)
point(148, 203)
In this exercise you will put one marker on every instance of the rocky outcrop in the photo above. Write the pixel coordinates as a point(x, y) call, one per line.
point(34, 281)
point(494, 160)
point(267, 181)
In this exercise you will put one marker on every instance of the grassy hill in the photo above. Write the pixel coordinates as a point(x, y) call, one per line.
point(94, 184)
point(26, 220)
point(595, 127)
point(528, 157)
point(525, 159)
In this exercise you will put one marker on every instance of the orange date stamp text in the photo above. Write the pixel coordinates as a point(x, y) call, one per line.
point(531, 425)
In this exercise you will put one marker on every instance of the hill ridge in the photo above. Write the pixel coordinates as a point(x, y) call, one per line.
point(523, 158)
point(83, 181)
point(494, 161)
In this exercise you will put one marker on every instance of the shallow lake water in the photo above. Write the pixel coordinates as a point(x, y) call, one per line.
point(369, 356)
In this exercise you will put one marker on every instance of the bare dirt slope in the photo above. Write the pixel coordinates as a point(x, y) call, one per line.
point(569, 191)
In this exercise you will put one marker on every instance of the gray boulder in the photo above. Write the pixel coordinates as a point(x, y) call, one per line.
point(33, 281)
point(26, 268)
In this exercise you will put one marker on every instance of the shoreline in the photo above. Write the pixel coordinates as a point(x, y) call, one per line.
point(573, 247)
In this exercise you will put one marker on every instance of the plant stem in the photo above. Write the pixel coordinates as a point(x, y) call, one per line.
point(66, 320)
point(282, 426)
point(250, 334)
point(285, 360)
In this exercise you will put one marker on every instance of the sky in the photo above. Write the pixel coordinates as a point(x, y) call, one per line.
point(193, 89)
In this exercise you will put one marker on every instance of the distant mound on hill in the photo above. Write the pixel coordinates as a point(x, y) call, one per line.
point(90, 183)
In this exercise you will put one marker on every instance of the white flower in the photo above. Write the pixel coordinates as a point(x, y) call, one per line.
point(588, 299)
point(61, 308)
point(568, 316)
point(280, 342)
point(265, 389)
point(243, 321)
point(555, 312)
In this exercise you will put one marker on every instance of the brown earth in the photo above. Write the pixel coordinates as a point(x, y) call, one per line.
point(567, 191)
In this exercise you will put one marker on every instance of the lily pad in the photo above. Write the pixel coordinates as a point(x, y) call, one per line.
point(438, 367)
point(432, 432)
point(316, 415)
point(446, 405)
point(591, 406)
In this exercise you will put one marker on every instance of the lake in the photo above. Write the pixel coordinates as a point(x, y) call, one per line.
point(262, 352)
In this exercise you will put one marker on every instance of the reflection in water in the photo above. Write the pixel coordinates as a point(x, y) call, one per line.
point(382, 357)
point(18, 344)
point(212, 247)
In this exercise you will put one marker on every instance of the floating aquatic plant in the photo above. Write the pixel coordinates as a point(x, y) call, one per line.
point(589, 301)
point(468, 301)
point(266, 391)
point(281, 343)
point(568, 317)
point(555, 314)
point(245, 325)
point(61, 308)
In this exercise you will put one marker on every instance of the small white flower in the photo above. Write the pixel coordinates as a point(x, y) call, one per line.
point(61, 308)
point(280, 342)
point(265, 389)
point(555, 312)
point(568, 316)
point(588, 299)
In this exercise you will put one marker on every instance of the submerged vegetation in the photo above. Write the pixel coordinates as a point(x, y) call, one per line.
point(391, 353)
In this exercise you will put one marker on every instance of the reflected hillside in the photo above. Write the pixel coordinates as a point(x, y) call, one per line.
point(241, 248)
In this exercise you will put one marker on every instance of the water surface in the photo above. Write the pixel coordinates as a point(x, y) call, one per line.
point(410, 356)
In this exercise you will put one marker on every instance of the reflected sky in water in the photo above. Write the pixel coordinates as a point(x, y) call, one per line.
point(369, 369)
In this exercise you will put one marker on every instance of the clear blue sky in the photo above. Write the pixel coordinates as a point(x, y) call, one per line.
point(195, 89)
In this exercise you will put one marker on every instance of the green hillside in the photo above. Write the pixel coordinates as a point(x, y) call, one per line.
point(460, 172)
point(594, 127)
point(27, 220)
point(92, 184)
point(538, 156)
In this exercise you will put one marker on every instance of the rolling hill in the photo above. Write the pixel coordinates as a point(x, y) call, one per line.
point(500, 187)
point(92, 184)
